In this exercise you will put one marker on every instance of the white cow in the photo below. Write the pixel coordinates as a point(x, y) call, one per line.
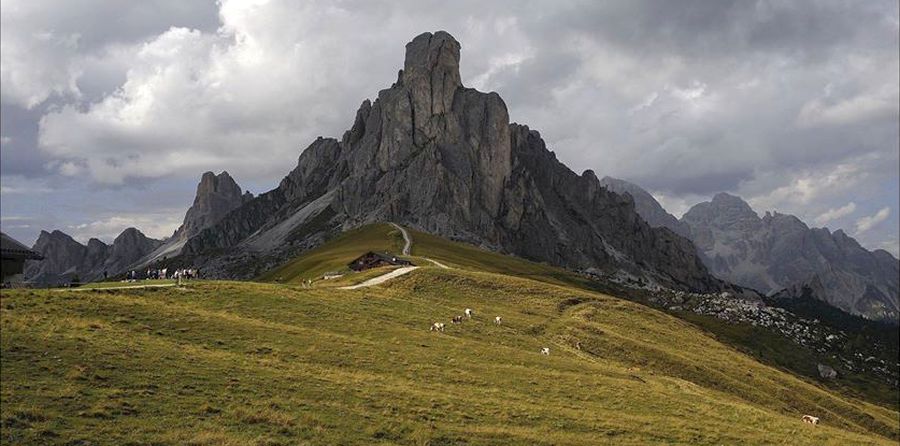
point(437, 326)
point(810, 419)
point(498, 320)
point(545, 351)
point(469, 313)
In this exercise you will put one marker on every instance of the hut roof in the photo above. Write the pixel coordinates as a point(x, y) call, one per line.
point(11, 248)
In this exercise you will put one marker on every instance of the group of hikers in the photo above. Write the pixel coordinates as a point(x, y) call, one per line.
point(164, 273)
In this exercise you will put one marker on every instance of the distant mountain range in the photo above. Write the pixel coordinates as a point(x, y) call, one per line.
point(66, 259)
point(779, 254)
point(434, 155)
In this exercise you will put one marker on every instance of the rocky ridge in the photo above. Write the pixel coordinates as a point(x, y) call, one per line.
point(780, 253)
point(435, 155)
point(646, 206)
point(846, 342)
point(65, 259)
point(216, 197)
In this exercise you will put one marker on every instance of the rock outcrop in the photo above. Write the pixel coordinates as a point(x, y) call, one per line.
point(647, 206)
point(216, 196)
point(779, 253)
point(66, 260)
point(826, 372)
point(435, 155)
point(130, 246)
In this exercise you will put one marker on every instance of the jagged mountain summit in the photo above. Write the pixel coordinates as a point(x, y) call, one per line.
point(646, 206)
point(435, 155)
point(65, 259)
point(216, 196)
point(779, 251)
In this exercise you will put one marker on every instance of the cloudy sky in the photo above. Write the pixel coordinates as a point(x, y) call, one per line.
point(111, 110)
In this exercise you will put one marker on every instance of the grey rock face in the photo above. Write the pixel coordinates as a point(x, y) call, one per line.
point(130, 246)
point(646, 206)
point(780, 252)
point(826, 372)
point(62, 255)
point(217, 195)
point(435, 155)
point(65, 258)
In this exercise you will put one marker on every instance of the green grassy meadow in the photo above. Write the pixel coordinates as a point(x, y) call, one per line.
point(336, 254)
point(235, 363)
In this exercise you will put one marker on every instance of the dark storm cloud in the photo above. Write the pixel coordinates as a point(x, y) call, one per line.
point(793, 105)
point(18, 149)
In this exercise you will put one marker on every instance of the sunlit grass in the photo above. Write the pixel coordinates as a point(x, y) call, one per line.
point(248, 363)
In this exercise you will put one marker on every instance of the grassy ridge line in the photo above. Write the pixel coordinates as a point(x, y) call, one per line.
point(672, 328)
point(762, 344)
point(235, 363)
point(336, 254)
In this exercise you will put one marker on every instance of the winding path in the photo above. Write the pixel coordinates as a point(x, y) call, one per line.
point(124, 287)
point(408, 245)
point(436, 263)
point(382, 278)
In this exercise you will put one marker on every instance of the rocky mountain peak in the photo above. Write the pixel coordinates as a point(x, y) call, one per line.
point(211, 183)
point(646, 206)
point(66, 259)
point(432, 65)
point(56, 234)
point(97, 243)
point(432, 154)
point(130, 246)
point(779, 251)
point(723, 201)
point(216, 196)
point(724, 210)
point(129, 235)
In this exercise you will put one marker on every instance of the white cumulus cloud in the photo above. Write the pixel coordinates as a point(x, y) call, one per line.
point(835, 213)
point(867, 223)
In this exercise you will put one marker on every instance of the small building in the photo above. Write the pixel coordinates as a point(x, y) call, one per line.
point(12, 260)
point(373, 259)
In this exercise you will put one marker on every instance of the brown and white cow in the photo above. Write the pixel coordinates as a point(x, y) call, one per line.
point(810, 419)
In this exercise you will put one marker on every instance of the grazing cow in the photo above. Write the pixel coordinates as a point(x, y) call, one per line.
point(469, 313)
point(457, 319)
point(578, 345)
point(437, 326)
point(498, 320)
point(810, 419)
point(545, 351)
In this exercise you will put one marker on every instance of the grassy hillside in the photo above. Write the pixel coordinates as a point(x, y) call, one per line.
point(764, 345)
point(246, 363)
point(229, 363)
point(337, 253)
